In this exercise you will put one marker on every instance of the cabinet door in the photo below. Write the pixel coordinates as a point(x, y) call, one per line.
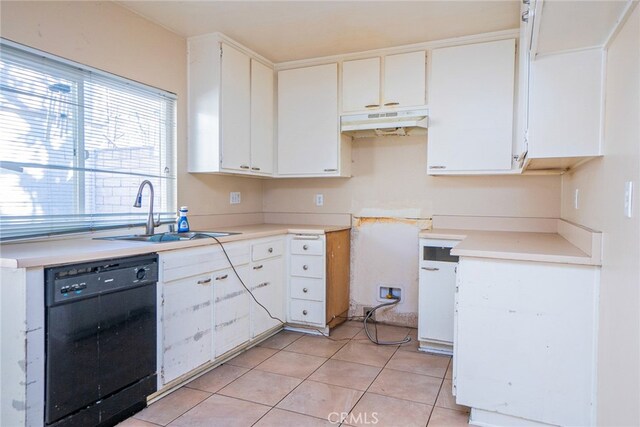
point(308, 121)
point(187, 319)
point(236, 109)
point(404, 79)
point(436, 300)
point(361, 84)
point(566, 102)
point(471, 107)
point(261, 118)
point(267, 285)
point(231, 310)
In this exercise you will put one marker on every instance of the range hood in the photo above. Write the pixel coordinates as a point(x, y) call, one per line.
point(397, 123)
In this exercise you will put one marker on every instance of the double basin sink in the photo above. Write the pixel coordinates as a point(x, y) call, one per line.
point(169, 237)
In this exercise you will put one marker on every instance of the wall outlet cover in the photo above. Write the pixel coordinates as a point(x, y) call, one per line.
point(576, 199)
point(319, 199)
point(234, 197)
point(628, 199)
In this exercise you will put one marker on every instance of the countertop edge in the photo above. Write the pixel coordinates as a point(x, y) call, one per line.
point(138, 248)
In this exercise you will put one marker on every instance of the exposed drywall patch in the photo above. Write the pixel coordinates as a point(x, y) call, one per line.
point(384, 252)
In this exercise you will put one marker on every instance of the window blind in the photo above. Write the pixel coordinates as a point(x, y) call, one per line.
point(75, 144)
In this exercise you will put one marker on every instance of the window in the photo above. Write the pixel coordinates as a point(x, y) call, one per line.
point(75, 144)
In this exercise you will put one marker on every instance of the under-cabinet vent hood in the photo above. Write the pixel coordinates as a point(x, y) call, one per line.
point(398, 123)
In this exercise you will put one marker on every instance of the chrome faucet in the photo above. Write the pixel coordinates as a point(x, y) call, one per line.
point(151, 224)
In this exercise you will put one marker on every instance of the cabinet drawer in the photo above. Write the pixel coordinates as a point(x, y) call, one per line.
point(267, 250)
point(307, 247)
point(307, 266)
point(183, 263)
point(309, 289)
point(307, 311)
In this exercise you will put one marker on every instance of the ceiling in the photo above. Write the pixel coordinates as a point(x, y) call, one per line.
point(290, 30)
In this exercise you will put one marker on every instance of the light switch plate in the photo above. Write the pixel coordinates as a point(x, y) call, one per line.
point(628, 199)
point(576, 199)
point(234, 197)
point(319, 199)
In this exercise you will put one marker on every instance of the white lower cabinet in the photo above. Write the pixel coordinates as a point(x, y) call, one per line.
point(231, 310)
point(186, 302)
point(525, 349)
point(205, 311)
point(267, 285)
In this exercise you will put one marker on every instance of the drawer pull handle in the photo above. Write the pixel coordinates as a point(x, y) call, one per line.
point(431, 268)
point(258, 267)
point(222, 277)
point(305, 267)
point(372, 106)
point(305, 247)
point(255, 169)
point(391, 104)
point(270, 250)
point(204, 282)
point(437, 167)
point(304, 312)
point(331, 170)
point(305, 290)
point(244, 166)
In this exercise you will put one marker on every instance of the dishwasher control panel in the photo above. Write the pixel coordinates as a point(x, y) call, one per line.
point(77, 281)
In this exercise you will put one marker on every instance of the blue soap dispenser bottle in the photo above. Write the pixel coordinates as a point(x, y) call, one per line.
point(183, 222)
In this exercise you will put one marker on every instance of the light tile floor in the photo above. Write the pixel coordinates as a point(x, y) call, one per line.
point(299, 380)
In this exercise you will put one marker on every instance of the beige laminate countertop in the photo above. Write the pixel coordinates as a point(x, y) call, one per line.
point(523, 246)
point(67, 250)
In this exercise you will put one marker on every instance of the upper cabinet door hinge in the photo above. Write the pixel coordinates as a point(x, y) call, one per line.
point(220, 50)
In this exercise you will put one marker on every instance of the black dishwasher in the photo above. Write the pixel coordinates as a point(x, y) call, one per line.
point(100, 340)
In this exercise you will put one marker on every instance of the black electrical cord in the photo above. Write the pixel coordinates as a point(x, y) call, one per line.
point(370, 314)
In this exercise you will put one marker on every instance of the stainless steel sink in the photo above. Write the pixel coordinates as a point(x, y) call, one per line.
point(169, 237)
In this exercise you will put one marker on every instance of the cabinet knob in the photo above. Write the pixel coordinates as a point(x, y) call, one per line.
point(305, 247)
point(305, 290)
point(305, 267)
point(270, 250)
point(304, 312)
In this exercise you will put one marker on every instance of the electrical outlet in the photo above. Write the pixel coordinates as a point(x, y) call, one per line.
point(367, 310)
point(234, 197)
point(576, 199)
point(628, 199)
point(319, 199)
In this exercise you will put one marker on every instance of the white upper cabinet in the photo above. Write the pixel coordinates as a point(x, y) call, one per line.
point(386, 82)
point(309, 142)
point(404, 80)
point(230, 108)
point(235, 109)
point(261, 118)
point(566, 105)
point(361, 84)
point(471, 108)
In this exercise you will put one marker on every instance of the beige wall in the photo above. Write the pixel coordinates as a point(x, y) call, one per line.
point(109, 37)
point(601, 184)
point(390, 179)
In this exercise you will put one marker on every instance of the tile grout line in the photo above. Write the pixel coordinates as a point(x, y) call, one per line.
point(301, 382)
point(439, 391)
point(216, 392)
